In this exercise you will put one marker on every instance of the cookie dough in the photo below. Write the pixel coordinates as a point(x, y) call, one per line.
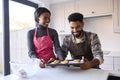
point(65, 62)
point(56, 61)
point(76, 60)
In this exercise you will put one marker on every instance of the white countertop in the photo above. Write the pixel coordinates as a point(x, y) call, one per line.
point(112, 53)
point(64, 73)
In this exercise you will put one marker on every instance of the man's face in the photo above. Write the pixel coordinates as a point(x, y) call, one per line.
point(76, 28)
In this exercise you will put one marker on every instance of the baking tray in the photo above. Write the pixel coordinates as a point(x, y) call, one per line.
point(71, 63)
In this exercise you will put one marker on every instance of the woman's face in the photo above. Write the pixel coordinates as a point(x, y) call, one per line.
point(76, 28)
point(44, 19)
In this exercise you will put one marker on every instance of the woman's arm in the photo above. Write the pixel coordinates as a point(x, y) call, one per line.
point(57, 47)
point(31, 50)
point(65, 47)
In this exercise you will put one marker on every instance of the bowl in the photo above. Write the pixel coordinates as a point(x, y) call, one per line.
point(24, 70)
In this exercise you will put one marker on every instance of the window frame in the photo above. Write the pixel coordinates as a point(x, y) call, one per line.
point(6, 33)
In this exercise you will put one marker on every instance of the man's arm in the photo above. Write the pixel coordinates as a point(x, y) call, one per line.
point(97, 54)
point(96, 48)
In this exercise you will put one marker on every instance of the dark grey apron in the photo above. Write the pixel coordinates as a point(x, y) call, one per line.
point(77, 50)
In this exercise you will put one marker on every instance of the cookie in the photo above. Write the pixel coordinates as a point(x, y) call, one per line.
point(56, 61)
point(76, 60)
point(65, 62)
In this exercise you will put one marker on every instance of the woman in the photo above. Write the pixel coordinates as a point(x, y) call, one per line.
point(41, 39)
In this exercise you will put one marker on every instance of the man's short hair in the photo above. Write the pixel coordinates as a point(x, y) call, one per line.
point(75, 17)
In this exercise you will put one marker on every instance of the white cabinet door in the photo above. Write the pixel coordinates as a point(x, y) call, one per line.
point(108, 63)
point(108, 60)
point(68, 8)
point(106, 67)
point(57, 17)
point(117, 60)
point(91, 8)
point(117, 63)
point(117, 68)
point(116, 15)
point(60, 13)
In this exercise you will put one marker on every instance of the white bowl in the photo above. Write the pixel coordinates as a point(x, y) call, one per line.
point(24, 70)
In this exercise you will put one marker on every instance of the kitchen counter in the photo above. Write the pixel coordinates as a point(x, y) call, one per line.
point(65, 73)
point(111, 53)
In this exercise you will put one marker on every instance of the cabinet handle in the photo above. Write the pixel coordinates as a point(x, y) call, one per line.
point(118, 69)
point(93, 12)
point(62, 31)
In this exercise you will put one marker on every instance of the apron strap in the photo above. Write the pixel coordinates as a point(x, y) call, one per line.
point(48, 32)
point(35, 32)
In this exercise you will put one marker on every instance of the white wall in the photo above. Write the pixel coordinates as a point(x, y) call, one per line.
point(46, 3)
point(103, 26)
point(42, 3)
point(57, 1)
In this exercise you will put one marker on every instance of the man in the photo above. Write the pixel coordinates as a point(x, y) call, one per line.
point(81, 43)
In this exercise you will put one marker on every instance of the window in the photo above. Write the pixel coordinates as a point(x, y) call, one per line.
point(21, 16)
point(21, 20)
point(1, 16)
point(1, 37)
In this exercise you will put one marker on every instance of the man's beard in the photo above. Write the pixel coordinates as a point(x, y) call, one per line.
point(78, 34)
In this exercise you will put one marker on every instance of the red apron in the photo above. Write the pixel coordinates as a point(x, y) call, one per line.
point(44, 47)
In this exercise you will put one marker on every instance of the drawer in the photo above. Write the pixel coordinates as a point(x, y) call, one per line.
point(106, 67)
point(108, 60)
point(116, 60)
point(117, 68)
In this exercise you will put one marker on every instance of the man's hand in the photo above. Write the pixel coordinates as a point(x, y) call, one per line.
point(86, 65)
point(89, 64)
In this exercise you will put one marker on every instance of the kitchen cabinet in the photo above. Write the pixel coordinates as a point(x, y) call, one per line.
point(117, 64)
point(111, 62)
point(91, 8)
point(68, 8)
point(57, 18)
point(108, 63)
point(116, 15)
point(60, 13)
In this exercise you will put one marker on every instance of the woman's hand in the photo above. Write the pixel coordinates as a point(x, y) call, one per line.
point(42, 63)
point(51, 60)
